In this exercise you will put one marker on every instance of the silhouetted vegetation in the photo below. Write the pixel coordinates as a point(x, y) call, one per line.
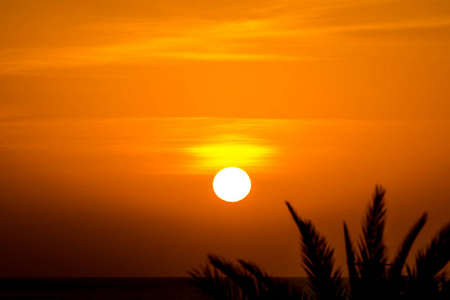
point(222, 279)
point(371, 274)
point(318, 261)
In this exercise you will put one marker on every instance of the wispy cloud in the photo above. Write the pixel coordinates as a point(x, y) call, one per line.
point(266, 31)
point(201, 41)
point(146, 146)
point(172, 145)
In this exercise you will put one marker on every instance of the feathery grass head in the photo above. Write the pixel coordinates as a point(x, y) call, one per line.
point(370, 277)
point(372, 249)
point(222, 279)
point(403, 251)
point(212, 284)
point(431, 260)
point(318, 260)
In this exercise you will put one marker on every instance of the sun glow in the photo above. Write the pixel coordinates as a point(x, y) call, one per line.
point(233, 150)
point(231, 184)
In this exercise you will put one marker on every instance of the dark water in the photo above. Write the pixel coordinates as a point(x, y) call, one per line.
point(101, 288)
point(97, 288)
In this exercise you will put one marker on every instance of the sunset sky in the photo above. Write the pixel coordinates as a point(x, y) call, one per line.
point(116, 115)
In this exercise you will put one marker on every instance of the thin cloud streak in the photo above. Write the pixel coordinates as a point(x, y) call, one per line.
point(299, 32)
point(222, 41)
point(205, 145)
point(189, 145)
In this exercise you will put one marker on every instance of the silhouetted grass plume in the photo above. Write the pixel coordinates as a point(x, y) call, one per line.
point(371, 274)
point(425, 279)
point(222, 279)
point(318, 261)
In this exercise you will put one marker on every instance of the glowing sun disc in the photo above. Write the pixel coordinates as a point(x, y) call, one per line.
point(231, 184)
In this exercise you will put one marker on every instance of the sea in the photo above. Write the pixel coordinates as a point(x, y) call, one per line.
point(164, 288)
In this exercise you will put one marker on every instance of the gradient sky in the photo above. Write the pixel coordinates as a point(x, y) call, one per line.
point(115, 117)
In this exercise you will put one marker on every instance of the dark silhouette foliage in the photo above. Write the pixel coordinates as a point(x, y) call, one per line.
point(425, 280)
point(222, 279)
point(371, 263)
point(318, 261)
point(212, 284)
point(351, 262)
point(371, 274)
point(371, 277)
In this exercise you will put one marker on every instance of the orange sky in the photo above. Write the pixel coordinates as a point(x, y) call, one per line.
point(115, 118)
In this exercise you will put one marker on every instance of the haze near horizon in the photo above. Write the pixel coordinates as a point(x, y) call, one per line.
point(115, 118)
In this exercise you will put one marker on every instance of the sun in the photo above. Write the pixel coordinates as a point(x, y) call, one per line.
point(231, 184)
